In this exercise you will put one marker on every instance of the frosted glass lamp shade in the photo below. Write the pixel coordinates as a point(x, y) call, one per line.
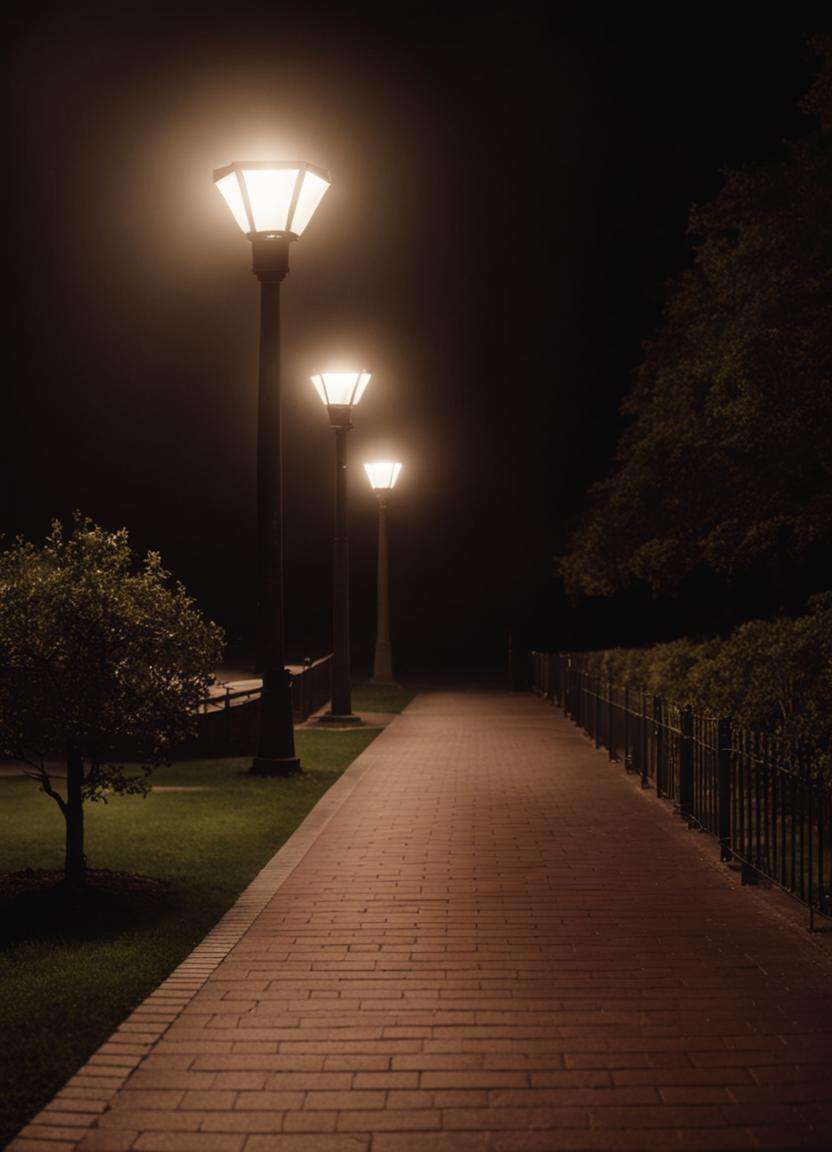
point(272, 197)
point(341, 389)
point(382, 474)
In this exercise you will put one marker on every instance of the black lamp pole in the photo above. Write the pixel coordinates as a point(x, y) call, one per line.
point(276, 745)
point(272, 202)
point(339, 416)
point(383, 657)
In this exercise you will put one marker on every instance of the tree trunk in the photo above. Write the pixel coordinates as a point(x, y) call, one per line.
point(75, 867)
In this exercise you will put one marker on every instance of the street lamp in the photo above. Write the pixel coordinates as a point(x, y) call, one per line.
point(383, 475)
point(272, 201)
point(340, 392)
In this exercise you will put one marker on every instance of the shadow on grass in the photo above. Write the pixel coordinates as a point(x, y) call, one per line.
point(35, 904)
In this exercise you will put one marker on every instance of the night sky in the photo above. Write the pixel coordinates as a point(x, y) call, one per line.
point(510, 191)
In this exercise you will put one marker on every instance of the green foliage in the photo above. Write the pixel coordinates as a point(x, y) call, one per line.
point(98, 651)
point(769, 675)
point(775, 675)
point(726, 464)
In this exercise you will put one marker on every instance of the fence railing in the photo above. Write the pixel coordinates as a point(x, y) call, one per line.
point(229, 721)
point(759, 794)
point(312, 687)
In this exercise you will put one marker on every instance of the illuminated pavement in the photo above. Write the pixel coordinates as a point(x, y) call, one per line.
point(484, 937)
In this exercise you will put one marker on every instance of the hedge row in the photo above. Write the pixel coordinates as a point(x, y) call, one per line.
point(770, 675)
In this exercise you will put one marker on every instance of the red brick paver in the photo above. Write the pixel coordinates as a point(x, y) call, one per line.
point(494, 942)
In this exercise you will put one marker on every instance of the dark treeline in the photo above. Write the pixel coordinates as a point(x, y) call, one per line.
point(718, 506)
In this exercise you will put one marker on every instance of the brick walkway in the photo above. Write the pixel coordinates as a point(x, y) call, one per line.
point(496, 942)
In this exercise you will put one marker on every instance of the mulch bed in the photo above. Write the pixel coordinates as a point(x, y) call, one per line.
point(36, 902)
point(13, 884)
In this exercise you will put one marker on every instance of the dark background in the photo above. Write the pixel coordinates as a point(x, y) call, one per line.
point(510, 195)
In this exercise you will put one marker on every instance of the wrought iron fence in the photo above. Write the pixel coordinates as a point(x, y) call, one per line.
point(761, 795)
point(312, 687)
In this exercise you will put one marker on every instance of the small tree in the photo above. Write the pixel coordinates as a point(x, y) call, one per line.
point(99, 653)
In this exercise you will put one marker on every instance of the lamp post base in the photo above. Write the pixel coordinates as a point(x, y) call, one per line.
point(383, 665)
point(337, 720)
point(275, 766)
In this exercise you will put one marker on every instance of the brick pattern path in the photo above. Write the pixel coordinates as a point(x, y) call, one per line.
point(497, 943)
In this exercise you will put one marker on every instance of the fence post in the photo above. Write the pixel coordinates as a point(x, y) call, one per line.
point(658, 735)
point(227, 724)
point(723, 743)
point(645, 774)
point(627, 729)
point(597, 724)
point(686, 765)
point(610, 733)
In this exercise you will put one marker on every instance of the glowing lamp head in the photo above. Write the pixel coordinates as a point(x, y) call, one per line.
point(272, 197)
point(382, 475)
point(341, 391)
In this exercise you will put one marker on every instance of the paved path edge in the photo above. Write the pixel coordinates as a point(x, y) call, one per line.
point(768, 897)
point(74, 1110)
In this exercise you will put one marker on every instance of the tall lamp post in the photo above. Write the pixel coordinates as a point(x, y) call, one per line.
point(272, 201)
point(341, 392)
point(383, 475)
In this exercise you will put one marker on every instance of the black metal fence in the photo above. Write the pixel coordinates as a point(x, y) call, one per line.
point(760, 795)
point(229, 722)
point(312, 687)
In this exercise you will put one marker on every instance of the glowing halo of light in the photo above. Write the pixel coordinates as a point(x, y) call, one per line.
point(382, 474)
point(272, 197)
point(341, 389)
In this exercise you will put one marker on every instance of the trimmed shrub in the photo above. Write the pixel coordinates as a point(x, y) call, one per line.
point(769, 675)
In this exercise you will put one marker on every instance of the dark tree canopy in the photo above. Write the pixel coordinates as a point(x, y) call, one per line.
point(726, 462)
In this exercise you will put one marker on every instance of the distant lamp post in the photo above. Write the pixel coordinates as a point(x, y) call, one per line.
point(272, 202)
point(340, 392)
point(383, 475)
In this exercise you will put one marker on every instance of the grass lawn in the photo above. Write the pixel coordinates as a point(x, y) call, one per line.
point(64, 986)
point(370, 697)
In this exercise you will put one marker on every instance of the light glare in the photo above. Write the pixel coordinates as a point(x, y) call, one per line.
point(271, 197)
point(341, 389)
point(229, 186)
point(311, 194)
point(383, 474)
